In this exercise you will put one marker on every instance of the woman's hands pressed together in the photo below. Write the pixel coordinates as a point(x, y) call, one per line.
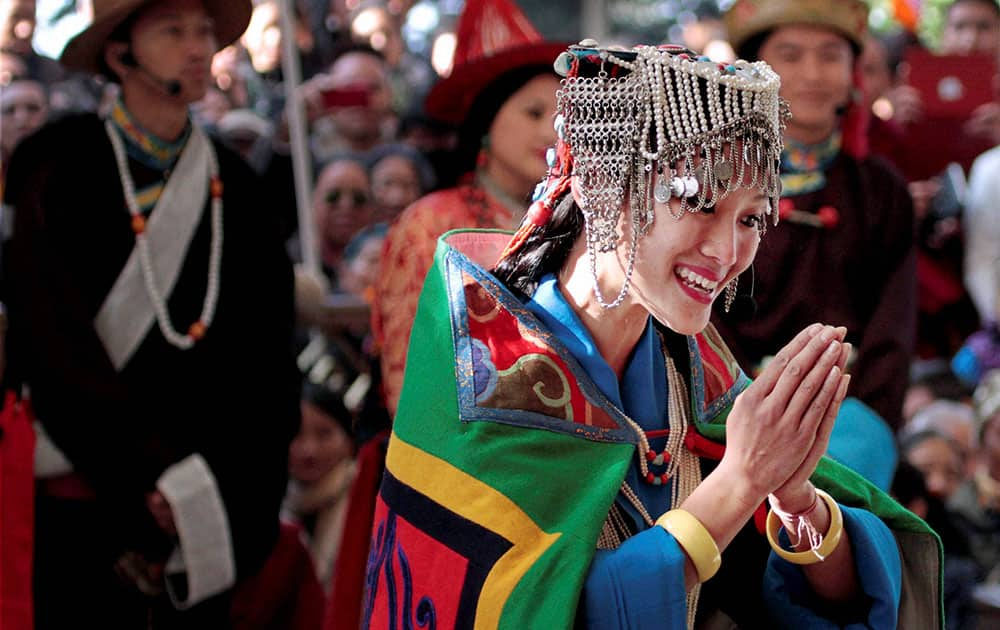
point(780, 426)
point(775, 435)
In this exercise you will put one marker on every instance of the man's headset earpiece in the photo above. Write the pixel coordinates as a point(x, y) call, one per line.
point(171, 86)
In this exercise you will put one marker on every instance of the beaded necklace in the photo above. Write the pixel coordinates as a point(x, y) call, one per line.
point(196, 331)
point(674, 455)
point(683, 469)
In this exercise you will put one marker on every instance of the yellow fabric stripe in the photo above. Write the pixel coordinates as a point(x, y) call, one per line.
point(147, 198)
point(793, 183)
point(470, 498)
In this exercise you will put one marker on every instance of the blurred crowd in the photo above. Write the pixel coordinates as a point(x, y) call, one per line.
point(400, 155)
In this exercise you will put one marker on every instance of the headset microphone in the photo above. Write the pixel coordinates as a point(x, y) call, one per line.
point(744, 308)
point(171, 86)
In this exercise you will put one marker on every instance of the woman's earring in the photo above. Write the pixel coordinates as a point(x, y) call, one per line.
point(731, 293)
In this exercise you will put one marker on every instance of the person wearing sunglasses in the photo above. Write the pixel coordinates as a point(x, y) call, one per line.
point(341, 207)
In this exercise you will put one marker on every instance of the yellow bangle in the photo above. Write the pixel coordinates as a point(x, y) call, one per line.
point(695, 540)
point(812, 556)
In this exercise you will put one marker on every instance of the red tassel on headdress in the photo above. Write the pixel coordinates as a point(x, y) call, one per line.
point(537, 216)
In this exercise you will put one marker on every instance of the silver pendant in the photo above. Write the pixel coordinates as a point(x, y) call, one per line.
point(723, 170)
point(684, 187)
point(661, 192)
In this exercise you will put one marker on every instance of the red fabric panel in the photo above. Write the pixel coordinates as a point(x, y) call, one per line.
point(344, 606)
point(285, 594)
point(432, 568)
point(17, 513)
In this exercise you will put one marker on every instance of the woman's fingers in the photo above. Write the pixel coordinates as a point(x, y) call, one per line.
point(831, 407)
point(769, 377)
point(810, 399)
point(823, 433)
point(800, 366)
point(781, 420)
point(845, 356)
point(825, 429)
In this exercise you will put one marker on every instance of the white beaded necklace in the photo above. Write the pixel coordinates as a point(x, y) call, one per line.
point(684, 469)
point(198, 329)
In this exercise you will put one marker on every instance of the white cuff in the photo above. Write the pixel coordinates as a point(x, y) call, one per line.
point(49, 460)
point(204, 556)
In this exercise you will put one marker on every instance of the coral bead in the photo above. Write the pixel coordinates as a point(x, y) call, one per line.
point(197, 331)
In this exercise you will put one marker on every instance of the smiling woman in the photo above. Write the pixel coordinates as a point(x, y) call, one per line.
point(570, 411)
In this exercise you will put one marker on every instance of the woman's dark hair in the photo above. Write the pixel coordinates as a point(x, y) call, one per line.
point(423, 168)
point(330, 403)
point(319, 165)
point(545, 251)
point(485, 108)
point(912, 441)
point(354, 47)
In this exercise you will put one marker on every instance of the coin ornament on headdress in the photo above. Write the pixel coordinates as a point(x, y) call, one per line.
point(705, 128)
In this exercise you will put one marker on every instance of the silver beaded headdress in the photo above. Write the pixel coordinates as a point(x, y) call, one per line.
point(706, 128)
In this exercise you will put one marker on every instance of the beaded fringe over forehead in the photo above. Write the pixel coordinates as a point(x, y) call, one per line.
point(707, 128)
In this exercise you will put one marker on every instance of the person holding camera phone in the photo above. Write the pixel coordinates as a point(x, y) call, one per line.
point(151, 314)
point(350, 105)
point(944, 130)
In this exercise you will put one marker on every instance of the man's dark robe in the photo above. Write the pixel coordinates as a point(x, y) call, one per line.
point(232, 398)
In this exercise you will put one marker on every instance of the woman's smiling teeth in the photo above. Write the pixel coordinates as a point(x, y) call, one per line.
point(695, 281)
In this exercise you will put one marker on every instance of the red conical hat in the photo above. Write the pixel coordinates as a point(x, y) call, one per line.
point(493, 37)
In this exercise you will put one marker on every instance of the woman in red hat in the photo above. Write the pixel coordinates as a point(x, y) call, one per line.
point(502, 95)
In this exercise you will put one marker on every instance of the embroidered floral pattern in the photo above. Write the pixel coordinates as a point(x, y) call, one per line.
point(507, 363)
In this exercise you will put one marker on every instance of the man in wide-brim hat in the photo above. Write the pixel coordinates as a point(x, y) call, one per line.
point(844, 251)
point(150, 305)
point(85, 51)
